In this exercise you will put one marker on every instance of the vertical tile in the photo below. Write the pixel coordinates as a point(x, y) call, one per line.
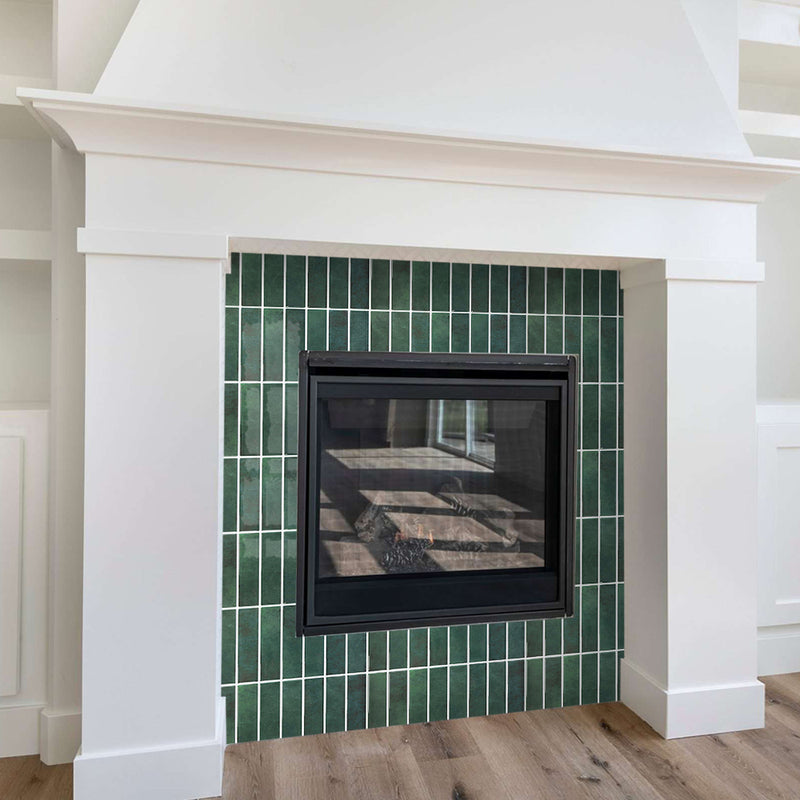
point(418, 647)
point(572, 631)
point(251, 345)
point(573, 291)
point(229, 568)
point(480, 287)
point(251, 279)
point(269, 723)
point(621, 615)
point(290, 567)
point(292, 646)
point(420, 332)
point(273, 280)
point(228, 646)
point(620, 549)
point(421, 285)
point(477, 642)
point(247, 713)
point(479, 334)
point(317, 330)
point(230, 496)
point(608, 550)
point(608, 416)
point(440, 333)
point(607, 689)
point(459, 336)
point(552, 636)
point(231, 434)
point(552, 682)
point(477, 690)
point(247, 649)
point(273, 344)
point(554, 335)
point(295, 281)
point(516, 639)
point(608, 349)
point(335, 654)
point(440, 300)
point(555, 290)
point(290, 492)
point(359, 283)
point(270, 648)
point(359, 331)
point(337, 330)
point(609, 290)
point(590, 548)
point(590, 354)
point(334, 704)
point(356, 652)
point(534, 637)
point(313, 656)
point(376, 710)
point(608, 616)
point(398, 698)
point(588, 618)
point(536, 334)
point(398, 649)
point(272, 414)
point(250, 420)
point(401, 285)
point(590, 416)
point(460, 287)
point(591, 292)
point(536, 293)
point(376, 658)
point(231, 344)
point(497, 640)
point(588, 678)
point(499, 333)
point(517, 334)
point(589, 483)
point(497, 688)
point(338, 282)
point(438, 693)
point(356, 702)
point(401, 325)
point(248, 494)
point(418, 695)
point(438, 646)
point(534, 684)
point(608, 482)
point(572, 336)
point(379, 331)
point(232, 282)
point(313, 699)
point(458, 691)
point(249, 565)
point(518, 290)
point(291, 708)
point(499, 288)
point(516, 686)
point(295, 341)
point(572, 681)
point(379, 283)
point(458, 644)
point(271, 483)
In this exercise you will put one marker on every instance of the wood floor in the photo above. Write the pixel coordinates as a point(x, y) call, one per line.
point(600, 752)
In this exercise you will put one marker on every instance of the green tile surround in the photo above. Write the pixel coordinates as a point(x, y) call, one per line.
point(278, 685)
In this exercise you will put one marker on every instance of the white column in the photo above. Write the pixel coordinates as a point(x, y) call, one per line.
point(690, 497)
point(153, 719)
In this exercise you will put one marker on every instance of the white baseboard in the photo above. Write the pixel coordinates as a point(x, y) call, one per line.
point(675, 713)
point(181, 772)
point(19, 730)
point(778, 649)
point(59, 736)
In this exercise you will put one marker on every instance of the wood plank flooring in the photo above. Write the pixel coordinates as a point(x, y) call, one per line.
point(601, 752)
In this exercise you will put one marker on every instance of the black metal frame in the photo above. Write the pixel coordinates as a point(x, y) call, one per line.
point(417, 369)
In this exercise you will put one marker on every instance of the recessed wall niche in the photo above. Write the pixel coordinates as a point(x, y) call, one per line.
point(277, 684)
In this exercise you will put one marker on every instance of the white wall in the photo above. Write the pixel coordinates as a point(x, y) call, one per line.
point(25, 31)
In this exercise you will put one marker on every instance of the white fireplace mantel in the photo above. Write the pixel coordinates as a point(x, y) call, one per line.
point(170, 191)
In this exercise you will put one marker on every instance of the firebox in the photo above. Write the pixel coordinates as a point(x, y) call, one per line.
point(434, 489)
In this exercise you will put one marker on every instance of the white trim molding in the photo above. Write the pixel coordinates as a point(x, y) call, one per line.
point(59, 736)
point(673, 269)
point(156, 244)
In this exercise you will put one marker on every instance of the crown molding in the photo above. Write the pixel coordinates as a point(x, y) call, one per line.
point(95, 125)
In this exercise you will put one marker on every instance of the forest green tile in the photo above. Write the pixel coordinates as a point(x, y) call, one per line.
point(232, 282)
point(401, 285)
point(552, 682)
point(247, 713)
point(228, 646)
point(609, 289)
point(620, 350)
point(269, 722)
point(620, 483)
point(608, 349)
point(290, 566)
point(458, 643)
point(289, 493)
point(480, 287)
point(534, 684)
point(554, 335)
point(251, 279)
point(418, 647)
point(497, 688)
point(572, 631)
point(552, 636)
point(590, 416)
point(314, 656)
point(588, 618)
point(608, 416)
point(376, 651)
point(398, 698)
point(460, 287)
point(337, 330)
point(273, 280)
point(356, 652)
point(458, 692)
point(590, 549)
point(620, 549)
point(440, 333)
point(376, 710)
point(249, 564)
point(608, 617)
point(497, 640)
point(608, 482)
point(334, 704)
point(251, 345)
point(438, 693)
point(271, 490)
point(359, 283)
point(231, 344)
point(295, 281)
point(420, 332)
point(536, 292)
point(621, 615)
point(337, 282)
point(270, 567)
point(589, 483)
point(555, 290)
point(398, 649)
point(573, 291)
point(576, 553)
point(401, 324)
point(229, 569)
point(535, 334)
point(477, 690)
point(250, 420)
point(317, 332)
point(572, 681)
point(515, 691)
point(534, 637)
point(499, 333)
point(270, 643)
point(620, 416)
point(272, 411)
point(607, 689)
point(517, 334)
point(295, 341)
point(477, 642)
point(479, 334)
point(516, 639)
point(335, 654)
point(379, 331)
point(608, 550)
point(359, 331)
point(230, 493)
point(292, 708)
point(499, 288)
point(273, 344)
point(438, 646)
point(292, 646)
point(591, 292)
point(247, 645)
point(418, 695)
point(379, 283)
point(356, 702)
point(459, 333)
point(249, 491)
point(518, 290)
point(590, 354)
point(572, 336)
point(440, 300)
point(589, 678)
point(313, 699)
point(421, 285)
point(231, 437)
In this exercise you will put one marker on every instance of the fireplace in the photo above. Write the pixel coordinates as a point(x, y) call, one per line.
point(434, 489)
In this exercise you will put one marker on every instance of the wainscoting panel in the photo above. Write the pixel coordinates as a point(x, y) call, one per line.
point(278, 685)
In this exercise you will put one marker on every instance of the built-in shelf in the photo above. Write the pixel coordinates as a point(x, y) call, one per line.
point(15, 121)
point(21, 245)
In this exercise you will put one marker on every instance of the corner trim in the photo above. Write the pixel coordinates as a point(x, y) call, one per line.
point(59, 736)
point(691, 270)
point(154, 244)
point(778, 649)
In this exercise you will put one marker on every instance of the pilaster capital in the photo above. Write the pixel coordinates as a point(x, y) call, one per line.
point(672, 269)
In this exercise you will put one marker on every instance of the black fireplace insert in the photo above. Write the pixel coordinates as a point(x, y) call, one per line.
point(434, 489)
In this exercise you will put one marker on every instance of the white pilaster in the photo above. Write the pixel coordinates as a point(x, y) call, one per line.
point(690, 497)
point(152, 715)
